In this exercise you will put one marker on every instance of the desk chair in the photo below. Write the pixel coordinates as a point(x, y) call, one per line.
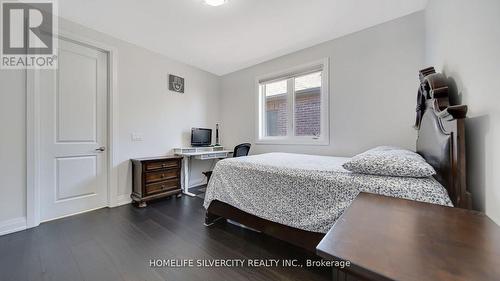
point(239, 151)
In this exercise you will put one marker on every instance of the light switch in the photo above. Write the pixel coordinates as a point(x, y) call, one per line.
point(137, 137)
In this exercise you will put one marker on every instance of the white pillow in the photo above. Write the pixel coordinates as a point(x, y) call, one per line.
point(390, 161)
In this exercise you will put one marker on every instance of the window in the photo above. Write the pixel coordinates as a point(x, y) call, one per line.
point(276, 108)
point(293, 106)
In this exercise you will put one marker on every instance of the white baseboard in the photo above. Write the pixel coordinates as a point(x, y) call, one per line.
point(12, 225)
point(197, 182)
point(123, 200)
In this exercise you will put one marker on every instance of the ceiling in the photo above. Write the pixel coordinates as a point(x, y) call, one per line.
point(236, 35)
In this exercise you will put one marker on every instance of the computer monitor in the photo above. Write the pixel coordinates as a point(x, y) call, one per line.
point(201, 137)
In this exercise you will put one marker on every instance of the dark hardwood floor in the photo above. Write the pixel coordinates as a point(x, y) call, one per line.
point(118, 243)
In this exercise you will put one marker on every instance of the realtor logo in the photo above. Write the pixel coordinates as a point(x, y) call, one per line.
point(28, 29)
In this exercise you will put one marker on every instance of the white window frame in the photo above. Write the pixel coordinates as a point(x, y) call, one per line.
point(290, 138)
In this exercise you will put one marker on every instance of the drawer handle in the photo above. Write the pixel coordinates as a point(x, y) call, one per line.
point(162, 175)
point(163, 186)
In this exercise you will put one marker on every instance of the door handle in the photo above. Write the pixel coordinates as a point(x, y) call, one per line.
point(101, 149)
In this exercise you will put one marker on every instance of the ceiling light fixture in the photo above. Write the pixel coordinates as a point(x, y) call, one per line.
point(215, 3)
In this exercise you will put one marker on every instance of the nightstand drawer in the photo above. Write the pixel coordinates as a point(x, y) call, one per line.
point(151, 166)
point(162, 186)
point(161, 176)
point(155, 177)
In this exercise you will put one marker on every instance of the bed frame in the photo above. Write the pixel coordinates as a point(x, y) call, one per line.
point(441, 141)
point(441, 135)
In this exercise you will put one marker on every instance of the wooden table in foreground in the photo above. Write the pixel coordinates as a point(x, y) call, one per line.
point(386, 238)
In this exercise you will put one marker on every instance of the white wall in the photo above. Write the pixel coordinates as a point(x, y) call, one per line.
point(373, 85)
point(145, 106)
point(463, 41)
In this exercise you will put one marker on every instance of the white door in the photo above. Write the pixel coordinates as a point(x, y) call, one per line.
point(73, 132)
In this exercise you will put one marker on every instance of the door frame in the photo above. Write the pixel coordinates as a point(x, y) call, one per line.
point(33, 187)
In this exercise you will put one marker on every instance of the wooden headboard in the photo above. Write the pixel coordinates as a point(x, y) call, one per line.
point(441, 135)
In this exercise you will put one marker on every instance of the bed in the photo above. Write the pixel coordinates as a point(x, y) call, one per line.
point(298, 198)
point(305, 191)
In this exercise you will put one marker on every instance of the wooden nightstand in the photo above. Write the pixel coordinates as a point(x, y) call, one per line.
point(386, 238)
point(155, 177)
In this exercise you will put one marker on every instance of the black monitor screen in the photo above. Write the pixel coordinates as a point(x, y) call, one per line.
point(201, 137)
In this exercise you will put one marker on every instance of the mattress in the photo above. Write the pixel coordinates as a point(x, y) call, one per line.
point(306, 191)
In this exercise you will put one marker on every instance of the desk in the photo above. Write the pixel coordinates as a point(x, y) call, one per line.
point(387, 238)
point(200, 153)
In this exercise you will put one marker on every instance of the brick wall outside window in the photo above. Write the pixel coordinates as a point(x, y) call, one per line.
point(276, 107)
point(307, 113)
